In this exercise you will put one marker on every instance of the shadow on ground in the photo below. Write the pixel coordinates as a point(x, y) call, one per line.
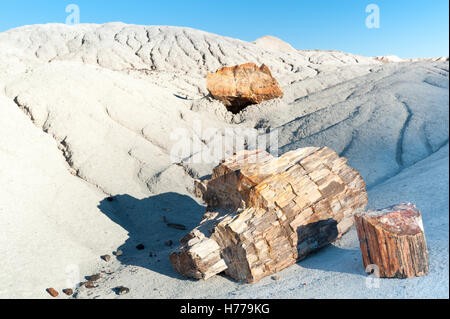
point(335, 259)
point(146, 222)
point(315, 252)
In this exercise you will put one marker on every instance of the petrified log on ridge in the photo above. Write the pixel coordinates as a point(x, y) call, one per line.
point(266, 213)
point(393, 239)
point(241, 85)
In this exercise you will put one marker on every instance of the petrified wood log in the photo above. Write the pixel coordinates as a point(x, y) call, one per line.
point(266, 213)
point(241, 85)
point(394, 241)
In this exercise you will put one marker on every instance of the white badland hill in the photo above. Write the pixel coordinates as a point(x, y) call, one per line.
point(394, 58)
point(273, 43)
point(89, 117)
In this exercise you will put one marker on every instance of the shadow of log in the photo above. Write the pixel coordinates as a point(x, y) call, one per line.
point(316, 235)
point(147, 222)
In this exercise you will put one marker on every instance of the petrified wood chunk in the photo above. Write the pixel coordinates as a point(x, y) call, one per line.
point(394, 241)
point(241, 85)
point(266, 213)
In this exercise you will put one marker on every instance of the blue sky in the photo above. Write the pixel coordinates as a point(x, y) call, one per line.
point(408, 28)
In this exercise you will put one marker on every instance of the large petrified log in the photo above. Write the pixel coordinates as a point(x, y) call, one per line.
point(241, 85)
point(266, 213)
point(394, 241)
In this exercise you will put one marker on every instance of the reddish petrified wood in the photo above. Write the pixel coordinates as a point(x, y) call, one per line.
point(393, 239)
point(265, 213)
point(52, 292)
point(241, 85)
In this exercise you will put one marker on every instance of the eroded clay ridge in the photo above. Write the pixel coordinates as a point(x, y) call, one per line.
point(265, 213)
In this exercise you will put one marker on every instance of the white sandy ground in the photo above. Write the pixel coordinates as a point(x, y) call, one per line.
point(87, 112)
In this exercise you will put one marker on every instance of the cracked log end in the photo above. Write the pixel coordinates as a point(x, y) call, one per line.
point(393, 239)
point(265, 213)
point(198, 257)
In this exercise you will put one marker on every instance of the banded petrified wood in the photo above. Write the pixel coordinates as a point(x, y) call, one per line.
point(393, 239)
point(265, 213)
point(242, 85)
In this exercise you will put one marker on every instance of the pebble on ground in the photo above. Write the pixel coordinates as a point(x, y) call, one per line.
point(95, 277)
point(123, 290)
point(90, 284)
point(68, 291)
point(52, 292)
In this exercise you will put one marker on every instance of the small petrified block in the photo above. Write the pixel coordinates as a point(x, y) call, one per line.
point(121, 290)
point(393, 239)
point(90, 284)
point(68, 291)
point(95, 277)
point(242, 85)
point(265, 213)
point(52, 292)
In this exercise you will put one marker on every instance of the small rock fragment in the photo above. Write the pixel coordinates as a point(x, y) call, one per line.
point(95, 277)
point(140, 247)
point(118, 252)
point(123, 290)
point(150, 254)
point(177, 226)
point(110, 199)
point(275, 277)
point(90, 284)
point(68, 291)
point(106, 258)
point(168, 243)
point(52, 292)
